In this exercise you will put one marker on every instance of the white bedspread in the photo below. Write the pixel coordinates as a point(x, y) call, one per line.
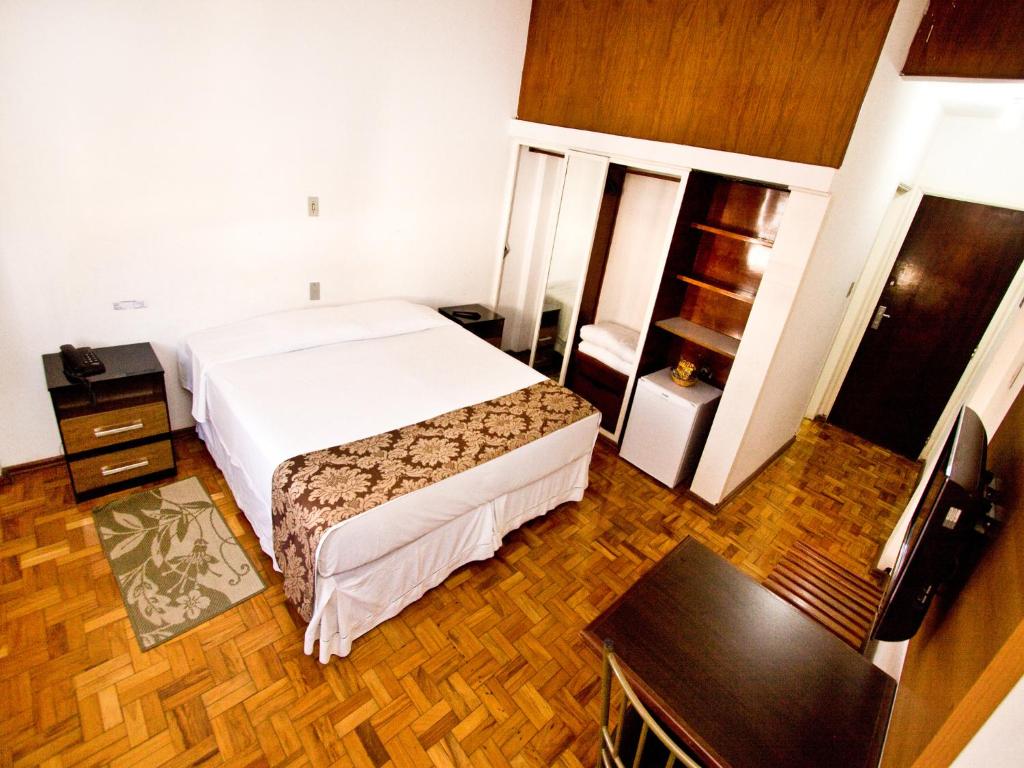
point(261, 409)
point(268, 409)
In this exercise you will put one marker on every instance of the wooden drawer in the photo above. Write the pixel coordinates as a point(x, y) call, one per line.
point(99, 430)
point(118, 466)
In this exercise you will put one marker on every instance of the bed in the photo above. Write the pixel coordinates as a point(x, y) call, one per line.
point(274, 387)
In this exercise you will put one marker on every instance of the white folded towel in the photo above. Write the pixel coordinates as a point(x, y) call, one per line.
point(602, 355)
point(617, 339)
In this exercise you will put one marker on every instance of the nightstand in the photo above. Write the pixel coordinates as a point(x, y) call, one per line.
point(489, 326)
point(115, 428)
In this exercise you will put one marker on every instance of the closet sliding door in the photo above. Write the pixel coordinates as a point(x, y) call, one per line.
point(529, 234)
point(578, 211)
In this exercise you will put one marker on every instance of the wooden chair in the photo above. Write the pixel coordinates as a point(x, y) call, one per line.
point(614, 747)
point(835, 597)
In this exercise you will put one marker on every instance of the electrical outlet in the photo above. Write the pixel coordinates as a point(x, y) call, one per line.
point(313, 206)
point(314, 291)
point(130, 304)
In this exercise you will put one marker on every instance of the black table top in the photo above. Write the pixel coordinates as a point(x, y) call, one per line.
point(741, 675)
point(121, 362)
point(485, 313)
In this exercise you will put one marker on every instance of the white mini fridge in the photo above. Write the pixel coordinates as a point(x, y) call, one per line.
point(667, 427)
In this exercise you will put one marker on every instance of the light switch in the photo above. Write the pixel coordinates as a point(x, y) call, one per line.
point(314, 291)
point(313, 206)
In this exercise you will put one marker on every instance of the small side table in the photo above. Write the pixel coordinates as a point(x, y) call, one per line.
point(115, 428)
point(489, 326)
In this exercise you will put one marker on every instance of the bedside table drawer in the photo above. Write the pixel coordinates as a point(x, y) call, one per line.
point(118, 466)
point(98, 430)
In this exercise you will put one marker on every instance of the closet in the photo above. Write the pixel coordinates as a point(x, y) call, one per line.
point(617, 264)
point(720, 247)
point(610, 228)
point(625, 258)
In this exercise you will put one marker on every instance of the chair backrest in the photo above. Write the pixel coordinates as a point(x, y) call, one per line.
point(613, 746)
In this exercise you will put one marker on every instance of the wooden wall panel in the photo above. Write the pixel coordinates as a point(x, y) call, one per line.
point(969, 38)
point(970, 651)
point(759, 77)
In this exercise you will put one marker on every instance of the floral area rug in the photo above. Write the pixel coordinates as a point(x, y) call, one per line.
point(175, 559)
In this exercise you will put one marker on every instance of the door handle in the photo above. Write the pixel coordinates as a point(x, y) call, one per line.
point(879, 314)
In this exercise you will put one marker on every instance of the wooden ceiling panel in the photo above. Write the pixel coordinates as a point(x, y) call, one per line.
point(758, 77)
point(969, 38)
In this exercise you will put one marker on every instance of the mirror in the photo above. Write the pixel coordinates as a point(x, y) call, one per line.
point(556, 200)
point(580, 204)
point(531, 228)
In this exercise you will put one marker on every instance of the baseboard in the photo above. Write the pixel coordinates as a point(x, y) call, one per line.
point(750, 478)
point(56, 461)
point(32, 466)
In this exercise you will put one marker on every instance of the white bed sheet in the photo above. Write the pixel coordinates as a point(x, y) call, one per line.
point(262, 410)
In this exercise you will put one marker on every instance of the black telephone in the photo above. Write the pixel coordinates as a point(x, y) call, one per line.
point(79, 363)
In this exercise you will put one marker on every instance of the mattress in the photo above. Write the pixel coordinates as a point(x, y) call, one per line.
point(264, 403)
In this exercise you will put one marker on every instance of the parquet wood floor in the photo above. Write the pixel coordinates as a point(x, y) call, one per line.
point(486, 670)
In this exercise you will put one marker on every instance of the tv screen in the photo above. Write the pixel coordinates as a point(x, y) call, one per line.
point(941, 533)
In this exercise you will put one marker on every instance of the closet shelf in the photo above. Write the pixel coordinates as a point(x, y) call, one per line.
point(699, 334)
point(717, 286)
point(732, 234)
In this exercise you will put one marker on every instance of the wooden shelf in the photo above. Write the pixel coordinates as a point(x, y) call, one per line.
point(719, 287)
point(732, 234)
point(699, 334)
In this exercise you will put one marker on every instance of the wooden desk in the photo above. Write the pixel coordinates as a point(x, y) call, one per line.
point(741, 676)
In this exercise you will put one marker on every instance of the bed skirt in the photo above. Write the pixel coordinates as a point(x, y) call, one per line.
point(351, 603)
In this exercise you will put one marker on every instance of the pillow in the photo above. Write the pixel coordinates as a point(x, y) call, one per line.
point(292, 330)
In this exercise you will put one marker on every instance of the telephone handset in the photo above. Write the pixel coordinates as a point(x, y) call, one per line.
point(79, 363)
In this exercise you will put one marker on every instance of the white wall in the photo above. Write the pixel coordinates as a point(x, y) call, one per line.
point(974, 151)
point(999, 743)
point(164, 152)
point(887, 142)
point(1003, 376)
point(892, 133)
point(758, 413)
point(977, 157)
point(980, 157)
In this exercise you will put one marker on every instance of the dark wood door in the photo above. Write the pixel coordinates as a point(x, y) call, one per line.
point(954, 268)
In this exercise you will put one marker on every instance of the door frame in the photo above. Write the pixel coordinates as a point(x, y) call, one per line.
point(865, 295)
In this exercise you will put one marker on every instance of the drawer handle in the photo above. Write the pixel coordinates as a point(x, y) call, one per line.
point(107, 431)
point(117, 469)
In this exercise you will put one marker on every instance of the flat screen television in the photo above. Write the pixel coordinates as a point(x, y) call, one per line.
point(942, 538)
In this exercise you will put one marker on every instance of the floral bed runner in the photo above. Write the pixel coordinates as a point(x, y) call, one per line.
point(174, 558)
point(315, 491)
